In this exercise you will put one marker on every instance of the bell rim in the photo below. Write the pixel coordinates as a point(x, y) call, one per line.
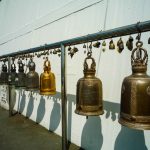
point(47, 93)
point(137, 126)
point(94, 113)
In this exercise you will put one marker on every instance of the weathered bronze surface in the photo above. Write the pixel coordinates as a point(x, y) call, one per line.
point(21, 78)
point(32, 80)
point(89, 92)
point(47, 80)
point(4, 75)
point(13, 74)
point(135, 94)
point(111, 45)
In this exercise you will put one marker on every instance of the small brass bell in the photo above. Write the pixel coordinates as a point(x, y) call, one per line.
point(111, 45)
point(32, 79)
point(103, 46)
point(129, 43)
point(13, 75)
point(97, 44)
point(4, 74)
point(47, 80)
point(120, 45)
point(21, 78)
point(89, 92)
point(135, 93)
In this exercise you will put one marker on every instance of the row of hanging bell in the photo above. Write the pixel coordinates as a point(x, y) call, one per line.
point(4, 75)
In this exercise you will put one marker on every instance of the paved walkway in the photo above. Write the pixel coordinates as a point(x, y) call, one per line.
point(19, 133)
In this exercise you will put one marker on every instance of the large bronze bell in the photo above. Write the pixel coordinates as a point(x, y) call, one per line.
point(4, 75)
point(32, 79)
point(89, 91)
point(47, 80)
point(135, 94)
point(13, 75)
point(21, 78)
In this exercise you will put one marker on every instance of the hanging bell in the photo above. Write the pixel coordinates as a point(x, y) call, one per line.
point(135, 93)
point(89, 91)
point(103, 46)
point(4, 74)
point(120, 45)
point(32, 79)
point(13, 75)
point(21, 78)
point(111, 45)
point(129, 43)
point(47, 80)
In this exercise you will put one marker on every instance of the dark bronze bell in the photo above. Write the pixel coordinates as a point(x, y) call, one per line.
point(4, 75)
point(135, 93)
point(47, 80)
point(111, 45)
point(89, 91)
point(32, 79)
point(13, 75)
point(21, 77)
point(129, 43)
point(120, 45)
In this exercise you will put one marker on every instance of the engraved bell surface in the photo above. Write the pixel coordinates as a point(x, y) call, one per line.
point(47, 80)
point(135, 94)
point(89, 92)
point(32, 79)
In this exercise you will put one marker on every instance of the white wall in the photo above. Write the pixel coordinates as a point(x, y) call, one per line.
point(30, 23)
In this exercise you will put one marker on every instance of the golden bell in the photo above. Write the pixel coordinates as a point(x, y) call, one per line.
point(135, 93)
point(32, 80)
point(21, 77)
point(89, 92)
point(4, 75)
point(47, 80)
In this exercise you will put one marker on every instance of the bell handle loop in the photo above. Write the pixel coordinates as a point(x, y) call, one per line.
point(46, 62)
point(93, 64)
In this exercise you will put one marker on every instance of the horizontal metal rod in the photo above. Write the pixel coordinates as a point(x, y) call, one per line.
point(116, 32)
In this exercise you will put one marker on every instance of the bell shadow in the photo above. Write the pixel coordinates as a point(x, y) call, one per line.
point(55, 114)
point(112, 110)
point(22, 101)
point(129, 139)
point(30, 106)
point(92, 138)
point(13, 97)
point(40, 110)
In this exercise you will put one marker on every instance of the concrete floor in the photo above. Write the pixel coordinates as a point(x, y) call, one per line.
point(19, 133)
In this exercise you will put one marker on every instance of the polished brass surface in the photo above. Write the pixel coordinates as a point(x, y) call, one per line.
point(13, 75)
point(21, 77)
point(135, 93)
point(4, 75)
point(32, 79)
point(47, 80)
point(89, 92)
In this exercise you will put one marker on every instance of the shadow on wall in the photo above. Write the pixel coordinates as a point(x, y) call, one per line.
point(129, 139)
point(22, 101)
point(30, 106)
point(55, 116)
point(92, 138)
point(40, 110)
